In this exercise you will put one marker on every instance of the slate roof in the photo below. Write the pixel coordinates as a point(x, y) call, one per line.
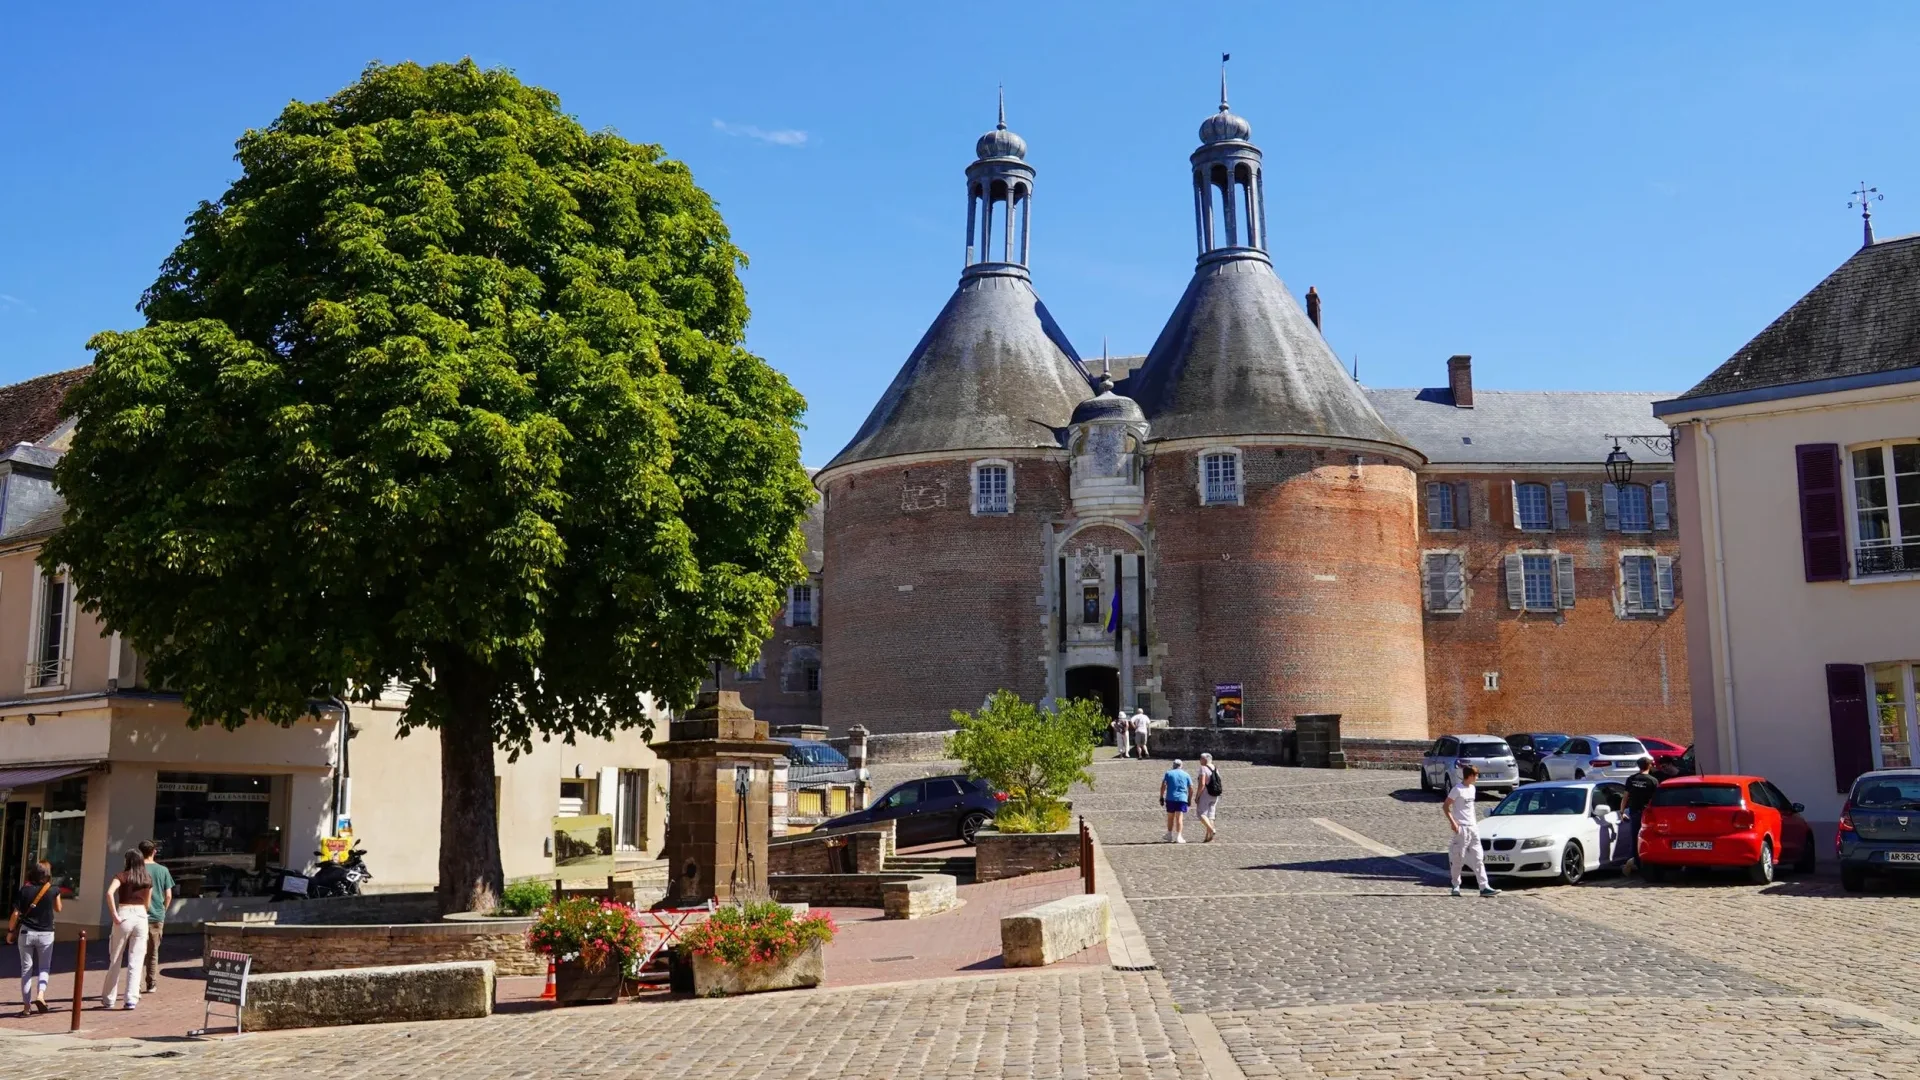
point(814, 529)
point(1239, 357)
point(29, 411)
point(1863, 319)
point(993, 372)
point(1536, 427)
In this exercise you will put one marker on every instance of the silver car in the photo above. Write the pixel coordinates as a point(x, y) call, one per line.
point(1489, 754)
point(1595, 757)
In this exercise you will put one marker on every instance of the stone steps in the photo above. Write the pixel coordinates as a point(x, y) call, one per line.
point(961, 867)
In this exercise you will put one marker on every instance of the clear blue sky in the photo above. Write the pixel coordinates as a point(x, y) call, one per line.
point(1608, 198)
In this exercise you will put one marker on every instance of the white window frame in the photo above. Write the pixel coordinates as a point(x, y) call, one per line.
point(1854, 541)
point(630, 809)
point(1561, 570)
point(1426, 576)
point(1526, 578)
point(1239, 475)
point(1646, 522)
point(36, 635)
point(1546, 506)
point(977, 501)
point(1909, 707)
point(793, 603)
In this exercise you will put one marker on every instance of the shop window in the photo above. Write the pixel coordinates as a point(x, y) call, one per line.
point(215, 825)
point(1895, 719)
point(63, 829)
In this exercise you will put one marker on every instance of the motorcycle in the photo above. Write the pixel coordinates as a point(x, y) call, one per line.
point(329, 879)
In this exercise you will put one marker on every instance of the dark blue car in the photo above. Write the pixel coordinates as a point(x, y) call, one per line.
point(1880, 827)
point(929, 810)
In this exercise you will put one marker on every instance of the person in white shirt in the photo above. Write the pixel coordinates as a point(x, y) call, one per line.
point(1122, 732)
point(1464, 849)
point(1140, 724)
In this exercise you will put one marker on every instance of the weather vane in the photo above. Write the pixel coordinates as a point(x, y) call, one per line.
point(1864, 198)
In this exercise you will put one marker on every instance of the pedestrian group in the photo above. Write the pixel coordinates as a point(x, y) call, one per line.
point(138, 896)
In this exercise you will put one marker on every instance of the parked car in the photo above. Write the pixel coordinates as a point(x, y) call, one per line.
point(1440, 769)
point(1879, 827)
point(1559, 829)
point(810, 762)
point(935, 808)
point(1596, 757)
point(1530, 749)
point(1661, 749)
point(1684, 765)
point(1730, 822)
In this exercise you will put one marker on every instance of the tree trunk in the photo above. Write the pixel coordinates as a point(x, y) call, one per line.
point(470, 873)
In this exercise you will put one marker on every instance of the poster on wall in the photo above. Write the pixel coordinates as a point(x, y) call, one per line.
point(583, 846)
point(1227, 700)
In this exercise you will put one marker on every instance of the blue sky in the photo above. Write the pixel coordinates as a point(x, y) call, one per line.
point(1608, 198)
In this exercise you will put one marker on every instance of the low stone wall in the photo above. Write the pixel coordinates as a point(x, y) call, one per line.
point(1261, 746)
point(860, 849)
point(904, 748)
point(1000, 855)
point(190, 914)
point(284, 947)
point(1053, 931)
point(893, 893)
point(368, 995)
point(1384, 753)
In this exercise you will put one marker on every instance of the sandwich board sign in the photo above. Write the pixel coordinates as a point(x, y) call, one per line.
point(226, 985)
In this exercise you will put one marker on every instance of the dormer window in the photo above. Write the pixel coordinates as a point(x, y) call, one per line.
point(1220, 478)
point(992, 487)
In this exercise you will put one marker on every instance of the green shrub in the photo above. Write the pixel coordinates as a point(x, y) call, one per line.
point(1034, 755)
point(525, 897)
point(1052, 816)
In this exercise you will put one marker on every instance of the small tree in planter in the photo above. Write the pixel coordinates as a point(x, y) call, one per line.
point(758, 946)
point(1034, 755)
point(593, 943)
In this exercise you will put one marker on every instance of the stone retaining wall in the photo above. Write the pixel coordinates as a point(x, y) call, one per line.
point(191, 913)
point(904, 748)
point(1384, 753)
point(900, 895)
point(1261, 746)
point(368, 995)
point(282, 947)
point(1000, 855)
point(826, 851)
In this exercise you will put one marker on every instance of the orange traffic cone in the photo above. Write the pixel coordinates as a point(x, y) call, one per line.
point(547, 994)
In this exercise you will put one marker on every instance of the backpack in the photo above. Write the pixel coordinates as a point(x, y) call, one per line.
point(1213, 782)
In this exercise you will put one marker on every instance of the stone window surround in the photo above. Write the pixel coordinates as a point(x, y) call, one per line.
point(973, 485)
point(1658, 610)
point(1426, 558)
point(1239, 475)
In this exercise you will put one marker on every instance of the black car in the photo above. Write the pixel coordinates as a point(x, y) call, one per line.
point(929, 810)
point(1531, 747)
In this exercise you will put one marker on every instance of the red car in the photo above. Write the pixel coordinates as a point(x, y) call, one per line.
point(1661, 749)
point(1728, 822)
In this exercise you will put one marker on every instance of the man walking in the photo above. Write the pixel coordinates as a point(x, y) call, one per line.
point(1640, 788)
point(1175, 788)
point(1465, 846)
point(157, 905)
point(1140, 725)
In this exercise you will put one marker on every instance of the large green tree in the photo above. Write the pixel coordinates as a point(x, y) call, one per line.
point(444, 390)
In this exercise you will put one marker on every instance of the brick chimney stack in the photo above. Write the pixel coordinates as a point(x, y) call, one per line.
point(1460, 380)
point(1313, 306)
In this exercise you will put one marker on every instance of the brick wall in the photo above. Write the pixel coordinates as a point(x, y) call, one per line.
point(277, 948)
point(1000, 855)
point(928, 607)
point(1585, 668)
point(778, 692)
point(1308, 595)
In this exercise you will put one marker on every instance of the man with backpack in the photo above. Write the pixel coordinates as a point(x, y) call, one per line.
point(1210, 790)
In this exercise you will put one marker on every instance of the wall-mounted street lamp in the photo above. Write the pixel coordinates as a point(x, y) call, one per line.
point(1620, 463)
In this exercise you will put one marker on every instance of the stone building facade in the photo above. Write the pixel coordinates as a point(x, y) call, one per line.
point(1232, 523)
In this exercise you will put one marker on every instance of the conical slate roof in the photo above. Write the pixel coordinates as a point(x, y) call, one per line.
point(1239, 357)
point(993, 372)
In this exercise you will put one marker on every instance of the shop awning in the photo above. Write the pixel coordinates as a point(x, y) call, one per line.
point(29, 775)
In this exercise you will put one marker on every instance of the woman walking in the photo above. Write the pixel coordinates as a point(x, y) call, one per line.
point(128, 894)
point(32, 927)
point(1208, 785)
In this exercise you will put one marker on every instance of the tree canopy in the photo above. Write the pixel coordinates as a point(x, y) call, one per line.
point(445, 390)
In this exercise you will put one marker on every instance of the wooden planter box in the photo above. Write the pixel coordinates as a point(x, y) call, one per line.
point(712, 978)
point(573, 984)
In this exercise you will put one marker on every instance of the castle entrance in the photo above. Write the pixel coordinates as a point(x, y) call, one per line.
point(1099, 683)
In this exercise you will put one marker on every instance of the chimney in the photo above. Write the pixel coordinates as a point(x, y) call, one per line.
point(1313, 306)
point(1460, 380)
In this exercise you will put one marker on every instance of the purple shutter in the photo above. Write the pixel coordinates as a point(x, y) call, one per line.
point(1847, 712)
point(1823, 529)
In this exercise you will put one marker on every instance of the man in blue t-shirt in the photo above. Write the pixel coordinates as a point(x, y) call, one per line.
point(1175, 787)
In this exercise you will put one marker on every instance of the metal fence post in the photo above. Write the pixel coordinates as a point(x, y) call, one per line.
point(80, 977)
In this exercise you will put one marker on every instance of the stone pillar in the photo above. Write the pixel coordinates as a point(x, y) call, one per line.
point(781, 808)
point(719, 802)
point(857, 758)
point(1318, 739)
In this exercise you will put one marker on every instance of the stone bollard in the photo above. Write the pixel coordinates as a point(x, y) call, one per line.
point(1318, 741)
point(857, 759)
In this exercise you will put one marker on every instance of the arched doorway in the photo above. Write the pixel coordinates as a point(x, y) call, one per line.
point(1099, 683)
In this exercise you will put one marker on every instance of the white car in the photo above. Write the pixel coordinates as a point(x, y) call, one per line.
point(1595, 757)
point(1490, 754)
point(1556, 829)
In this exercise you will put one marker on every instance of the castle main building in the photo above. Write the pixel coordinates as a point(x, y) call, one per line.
point(1235, 522)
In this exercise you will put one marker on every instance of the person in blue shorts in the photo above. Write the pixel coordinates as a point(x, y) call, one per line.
point(1176, 787)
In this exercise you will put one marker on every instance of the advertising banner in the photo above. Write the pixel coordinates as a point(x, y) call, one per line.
point(1227, 702)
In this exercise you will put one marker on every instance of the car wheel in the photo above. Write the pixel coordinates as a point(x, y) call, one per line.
point(1579, 774)
point(1808, 860)
point(1573, 864)
point(972, 824)
point(1540, 774)
point(1761, 873)
point(1853, 878)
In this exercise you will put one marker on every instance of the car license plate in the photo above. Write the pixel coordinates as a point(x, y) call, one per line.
point(1693, 845)
point(1903, 856)
point(1498, 861)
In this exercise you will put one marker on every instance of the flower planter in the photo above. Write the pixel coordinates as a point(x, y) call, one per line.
point(573, 984)
point(714, 978)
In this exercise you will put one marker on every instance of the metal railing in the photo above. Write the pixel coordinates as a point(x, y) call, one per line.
point(46, 672)
point(1886, 558)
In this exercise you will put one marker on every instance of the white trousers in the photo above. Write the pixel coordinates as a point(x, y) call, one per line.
point(126, 953)
point(1122, 737)
point(1464, 850)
